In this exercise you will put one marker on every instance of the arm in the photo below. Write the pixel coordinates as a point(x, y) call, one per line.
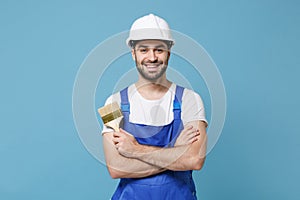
point(120, 166)
point(178, 158)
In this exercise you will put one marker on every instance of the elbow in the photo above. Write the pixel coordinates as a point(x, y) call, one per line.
point(114, 174)
point(198, 163)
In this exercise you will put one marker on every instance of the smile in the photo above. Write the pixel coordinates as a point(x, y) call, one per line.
point(152, 65)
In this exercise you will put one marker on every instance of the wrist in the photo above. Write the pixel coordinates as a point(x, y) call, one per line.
point(138, 151)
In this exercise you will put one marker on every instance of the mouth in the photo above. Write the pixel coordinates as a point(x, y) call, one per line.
point(152, 65)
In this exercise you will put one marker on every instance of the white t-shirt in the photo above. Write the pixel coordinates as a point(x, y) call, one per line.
point(160, 112)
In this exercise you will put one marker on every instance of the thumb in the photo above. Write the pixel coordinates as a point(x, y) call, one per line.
point(123, 131)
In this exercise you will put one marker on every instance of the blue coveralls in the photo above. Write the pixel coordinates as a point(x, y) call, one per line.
point(168, 185)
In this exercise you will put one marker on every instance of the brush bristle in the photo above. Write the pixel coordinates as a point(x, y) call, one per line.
point(109, 108)
point(110, 112)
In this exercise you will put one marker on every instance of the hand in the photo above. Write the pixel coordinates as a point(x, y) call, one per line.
point(187, 136)
point(125, 143)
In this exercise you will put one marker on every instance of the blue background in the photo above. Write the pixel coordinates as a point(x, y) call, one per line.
point(255, 45)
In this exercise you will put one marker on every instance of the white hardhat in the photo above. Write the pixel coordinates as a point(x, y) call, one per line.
point(150, 27)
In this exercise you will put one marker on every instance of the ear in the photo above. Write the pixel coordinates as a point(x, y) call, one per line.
point(133, 54)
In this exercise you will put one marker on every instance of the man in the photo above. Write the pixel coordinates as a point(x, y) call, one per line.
point(163, 134)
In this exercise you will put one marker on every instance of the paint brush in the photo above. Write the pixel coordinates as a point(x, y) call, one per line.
point(111, 115)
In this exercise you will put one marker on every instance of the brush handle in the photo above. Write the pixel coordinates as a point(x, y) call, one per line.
point(115, 127)
point(115, 124)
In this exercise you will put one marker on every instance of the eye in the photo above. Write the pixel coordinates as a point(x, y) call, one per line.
point(143, 50)
point(160, 50)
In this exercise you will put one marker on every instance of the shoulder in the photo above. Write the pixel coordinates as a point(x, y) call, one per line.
point(190, 94)
point(192, 107)
point(113, 98)
point(116, 97)
point(191, 100)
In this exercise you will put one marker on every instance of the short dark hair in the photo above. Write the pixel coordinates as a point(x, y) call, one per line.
point(134, 42)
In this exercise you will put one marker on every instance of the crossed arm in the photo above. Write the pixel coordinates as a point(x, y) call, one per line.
point(126, 158)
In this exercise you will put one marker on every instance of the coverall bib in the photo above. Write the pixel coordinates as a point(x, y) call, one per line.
point(168, 185)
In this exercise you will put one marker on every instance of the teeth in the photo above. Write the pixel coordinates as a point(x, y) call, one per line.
point(151, 65)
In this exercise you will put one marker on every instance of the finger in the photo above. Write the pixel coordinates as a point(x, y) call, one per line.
point(116, 140)
point(188, 127)
point(116, 134)
point(191, 132)
point(194, 140)
point(193, 135)
point(191, 129)
point(123, 131)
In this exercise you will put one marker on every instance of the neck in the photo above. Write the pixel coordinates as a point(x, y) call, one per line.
point(153, 89)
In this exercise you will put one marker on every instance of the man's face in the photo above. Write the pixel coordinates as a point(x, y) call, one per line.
point(151, 58)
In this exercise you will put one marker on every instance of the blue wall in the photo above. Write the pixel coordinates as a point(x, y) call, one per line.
point(255, 45)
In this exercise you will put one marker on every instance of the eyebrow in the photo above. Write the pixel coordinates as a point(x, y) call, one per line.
point(145, 46)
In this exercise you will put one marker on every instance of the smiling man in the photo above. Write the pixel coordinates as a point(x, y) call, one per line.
point(163, 134)
point(151, 58)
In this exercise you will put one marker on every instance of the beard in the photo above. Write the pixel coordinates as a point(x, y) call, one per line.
point(152, 76)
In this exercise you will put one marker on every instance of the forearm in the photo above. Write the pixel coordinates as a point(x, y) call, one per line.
point(123, 167)
point(176, 158)
point(184, 157)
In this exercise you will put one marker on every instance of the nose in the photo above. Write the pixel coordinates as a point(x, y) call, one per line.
point(152, 55)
